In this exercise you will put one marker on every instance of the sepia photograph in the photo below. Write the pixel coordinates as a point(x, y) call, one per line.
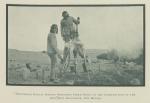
point(75, 45)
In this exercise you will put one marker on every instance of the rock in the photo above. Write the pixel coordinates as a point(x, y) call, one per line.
point(25, 73)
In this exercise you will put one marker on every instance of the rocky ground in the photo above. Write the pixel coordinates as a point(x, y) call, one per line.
point(101, 73)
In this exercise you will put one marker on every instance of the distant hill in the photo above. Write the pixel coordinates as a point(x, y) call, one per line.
point(88, 51)
point(94, 52)
point(27, 56)
point(40, 56)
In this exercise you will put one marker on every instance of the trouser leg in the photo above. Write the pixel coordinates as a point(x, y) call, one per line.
point(66, 38)
point(82, 55)
point(75, 59)
point(65, 53)
point(53, 66)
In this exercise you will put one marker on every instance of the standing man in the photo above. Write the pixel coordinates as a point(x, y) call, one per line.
point(69, 32)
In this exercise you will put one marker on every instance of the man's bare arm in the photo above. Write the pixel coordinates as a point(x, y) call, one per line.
point(76, 21)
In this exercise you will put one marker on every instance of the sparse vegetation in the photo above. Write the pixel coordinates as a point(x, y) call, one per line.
point(111, 55)
point(139, 59)
point(101, 73)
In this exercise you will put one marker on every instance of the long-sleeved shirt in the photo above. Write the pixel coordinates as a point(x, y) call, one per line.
point(67, 25)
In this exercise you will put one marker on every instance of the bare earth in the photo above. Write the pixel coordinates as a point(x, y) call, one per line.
point(101, 72)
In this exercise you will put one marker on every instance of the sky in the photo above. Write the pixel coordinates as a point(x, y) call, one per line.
point(118, 28)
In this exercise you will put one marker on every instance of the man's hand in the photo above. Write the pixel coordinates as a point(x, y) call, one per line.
point(60, 57)
point(78, 19)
